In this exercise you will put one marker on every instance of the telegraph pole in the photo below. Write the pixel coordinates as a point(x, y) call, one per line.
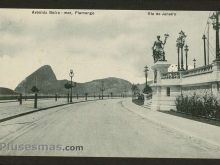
point(208, 44)
point(204, 38)
point(102, 88)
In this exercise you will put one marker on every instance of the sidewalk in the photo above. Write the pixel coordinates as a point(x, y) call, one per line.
point(203, 131)
point(10, 109)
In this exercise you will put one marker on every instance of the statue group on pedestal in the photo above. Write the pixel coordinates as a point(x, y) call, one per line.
point(158, 49)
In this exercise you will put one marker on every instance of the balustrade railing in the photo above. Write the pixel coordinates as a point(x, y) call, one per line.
point(191, 72)
point(199, 70)
point(171, 75)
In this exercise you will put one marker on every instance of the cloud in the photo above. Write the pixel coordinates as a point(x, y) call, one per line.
point(11, 26)
point(109, 43)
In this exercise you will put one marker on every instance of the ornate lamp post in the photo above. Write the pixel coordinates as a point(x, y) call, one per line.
point(180, 43)
point(194, 61)
point(146, 73)
point(216, 25)
point(186, 50)
point(71, 74)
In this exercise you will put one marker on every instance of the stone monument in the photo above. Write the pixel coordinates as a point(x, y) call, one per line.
point(159, 68)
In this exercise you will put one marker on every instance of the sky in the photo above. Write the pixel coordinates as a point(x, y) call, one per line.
point(108, 43)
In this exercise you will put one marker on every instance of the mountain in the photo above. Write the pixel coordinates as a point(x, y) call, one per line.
point(44, 78)
point(111, 84)
point(7, 91)
point(46, 81)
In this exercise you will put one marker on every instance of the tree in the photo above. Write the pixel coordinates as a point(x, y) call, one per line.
point(67, 85)
point(135, 89)
point(147, 89)
point(34, 89)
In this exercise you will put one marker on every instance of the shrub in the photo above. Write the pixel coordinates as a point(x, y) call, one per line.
point(147, 89)
point(205, 106)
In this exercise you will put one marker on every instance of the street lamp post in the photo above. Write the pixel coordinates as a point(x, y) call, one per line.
point(194, 61)
point(178, 52)
point(186, 50)
point(71, 74)
point(180, 43)
point(146, 73)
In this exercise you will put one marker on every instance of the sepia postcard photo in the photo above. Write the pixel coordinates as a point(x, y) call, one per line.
point(109, 83)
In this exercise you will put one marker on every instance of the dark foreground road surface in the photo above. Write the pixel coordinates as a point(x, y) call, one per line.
point(99, 128)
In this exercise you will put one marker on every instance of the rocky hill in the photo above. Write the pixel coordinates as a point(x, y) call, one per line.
point(111, 84)
point(46, 81)
point(7, 91)
point(44, 78)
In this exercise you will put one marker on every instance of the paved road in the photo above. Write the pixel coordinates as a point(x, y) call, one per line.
point(103, 128)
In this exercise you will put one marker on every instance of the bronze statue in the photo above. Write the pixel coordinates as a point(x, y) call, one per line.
point(158, 49)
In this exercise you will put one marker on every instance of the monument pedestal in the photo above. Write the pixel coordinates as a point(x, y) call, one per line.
point(159, 68)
